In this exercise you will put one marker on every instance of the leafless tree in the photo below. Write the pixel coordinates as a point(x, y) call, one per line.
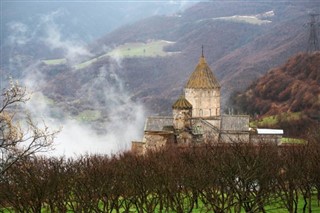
point(224, 177)
point(26, 190)
point(19, 141)
point(59, 184)
point(216, 194)
point(254, 174)
point(182, 183)
point(288, 178)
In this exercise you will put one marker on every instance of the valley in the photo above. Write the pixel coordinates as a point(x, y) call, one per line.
point(159, 106)
point(151, 59)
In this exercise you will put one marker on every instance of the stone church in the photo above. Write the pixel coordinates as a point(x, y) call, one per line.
point(196, 118)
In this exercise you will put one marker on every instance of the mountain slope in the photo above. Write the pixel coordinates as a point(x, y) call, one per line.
point(32, 30)
point(292, 87)
point(238, 51)
point(242, 41)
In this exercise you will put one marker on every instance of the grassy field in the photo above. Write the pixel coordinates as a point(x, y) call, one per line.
point(276, 208)
point(131, 50)
point(88, 115)
point(292, 141)
point(244, 19)
point(266, 121)
point(55, 61)
point(127, 50)
point(274, 119)
point(140, 49)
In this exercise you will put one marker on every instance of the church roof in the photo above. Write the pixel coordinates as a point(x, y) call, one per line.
point(202, 77)
point(182, 103)
point(156, 123)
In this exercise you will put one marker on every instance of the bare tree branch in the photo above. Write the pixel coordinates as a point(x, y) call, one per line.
point(17, 143)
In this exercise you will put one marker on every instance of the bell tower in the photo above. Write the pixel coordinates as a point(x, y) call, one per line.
point(182, 113)
point(203, 91)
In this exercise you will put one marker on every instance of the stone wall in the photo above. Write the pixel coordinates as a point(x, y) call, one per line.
point(234, 137)
point(215, 121)
point(181, 118)
point(204, 131)
point(138, 147)
point(235, 123)
point(256, 138)
point(205, 102)
point(156, 140)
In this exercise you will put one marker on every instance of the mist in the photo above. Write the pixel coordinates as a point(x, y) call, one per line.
point(113, 130)
point(124, 124)
point(64, 30)
point(88, 20)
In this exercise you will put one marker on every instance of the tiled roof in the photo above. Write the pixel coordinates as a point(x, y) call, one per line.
point(202, 77)
point(235, 122)
point(182, 103)
point(157, 123)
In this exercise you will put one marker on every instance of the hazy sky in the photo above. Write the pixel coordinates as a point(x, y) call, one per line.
point(85, 19)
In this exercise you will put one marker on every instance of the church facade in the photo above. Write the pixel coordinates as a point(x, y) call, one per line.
point(196, 118)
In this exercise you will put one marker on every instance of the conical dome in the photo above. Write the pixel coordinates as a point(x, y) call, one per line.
point(182, 103)
point(202, 77)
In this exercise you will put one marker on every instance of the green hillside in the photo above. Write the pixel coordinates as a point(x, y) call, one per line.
point(153, 48)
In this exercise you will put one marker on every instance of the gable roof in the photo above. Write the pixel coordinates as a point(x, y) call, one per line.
point(156, 123)
point(202, 77)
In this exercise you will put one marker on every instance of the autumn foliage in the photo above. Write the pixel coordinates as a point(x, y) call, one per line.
point(293, 87)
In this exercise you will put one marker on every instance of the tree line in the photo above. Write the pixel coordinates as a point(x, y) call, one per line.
point(216, 177)
point(231, 177)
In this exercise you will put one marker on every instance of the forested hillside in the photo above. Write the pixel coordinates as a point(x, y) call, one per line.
point(293, 87)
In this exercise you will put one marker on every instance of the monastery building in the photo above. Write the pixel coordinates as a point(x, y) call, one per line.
point(196, 118)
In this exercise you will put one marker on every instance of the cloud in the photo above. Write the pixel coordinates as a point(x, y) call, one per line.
point(18, 33)
point(73, 50)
